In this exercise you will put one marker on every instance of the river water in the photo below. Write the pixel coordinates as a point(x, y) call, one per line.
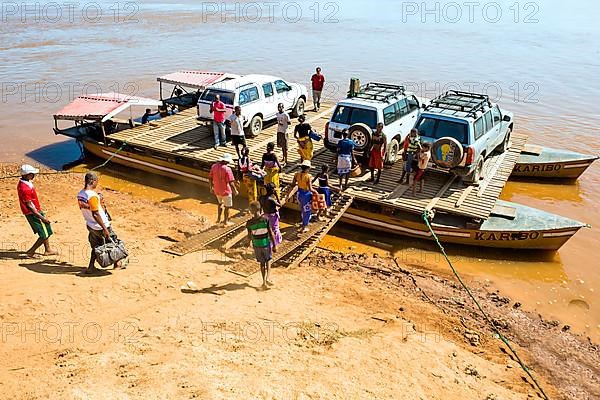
point(540, 60)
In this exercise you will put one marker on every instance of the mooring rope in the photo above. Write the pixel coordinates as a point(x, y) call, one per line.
point(485, 316)
point(109, 159)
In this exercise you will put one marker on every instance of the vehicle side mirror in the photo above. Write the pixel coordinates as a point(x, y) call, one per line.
point(506, 118)
point(423, 106)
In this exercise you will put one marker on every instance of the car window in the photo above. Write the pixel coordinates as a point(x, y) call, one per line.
point(352, 115)
point(389, 115)
point(402, 108)
point(248, 95)
point(413, 103)
point(438, 128)
point(489, 123)
point(496, 115)
point(479, 128)
point(281, 86)
point(268, 89)
point(226, 97)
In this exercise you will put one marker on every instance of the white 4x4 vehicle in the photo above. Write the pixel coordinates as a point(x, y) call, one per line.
point(257, 95)
point(360, 113)
point(464, 129)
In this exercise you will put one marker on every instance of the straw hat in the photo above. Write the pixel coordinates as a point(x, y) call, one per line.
point(306, 163)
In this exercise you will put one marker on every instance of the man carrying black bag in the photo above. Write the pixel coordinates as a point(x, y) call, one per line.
point(101, 235)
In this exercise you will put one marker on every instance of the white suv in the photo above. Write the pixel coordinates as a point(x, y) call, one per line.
point(360, 113)
point(258, 95)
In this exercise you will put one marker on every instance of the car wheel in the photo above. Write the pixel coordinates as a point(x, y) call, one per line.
point(477, 175)
point(392, 154)
point(361, 136)
point(506, 142)
point(256, 125)
point(298, 108)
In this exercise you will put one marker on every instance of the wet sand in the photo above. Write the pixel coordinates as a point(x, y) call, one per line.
point(116, 335)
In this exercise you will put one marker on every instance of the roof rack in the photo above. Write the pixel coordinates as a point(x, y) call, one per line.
point(457, 102)
point(378, 91)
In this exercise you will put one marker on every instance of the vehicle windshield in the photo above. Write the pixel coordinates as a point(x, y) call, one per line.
point(352, 115)
point(226, 97)
point(438, 128)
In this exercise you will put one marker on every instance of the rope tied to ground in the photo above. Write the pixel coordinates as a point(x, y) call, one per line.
point(426, 218)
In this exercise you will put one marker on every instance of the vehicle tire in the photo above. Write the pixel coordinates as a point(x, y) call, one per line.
point(505, 143)
point(361, 135)
point(447, 152)
point(298, 108)
point(392, 153)
point(255, 126)
point(477, 175)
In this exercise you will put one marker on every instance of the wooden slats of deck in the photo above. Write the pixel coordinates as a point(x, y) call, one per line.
point(182, 136)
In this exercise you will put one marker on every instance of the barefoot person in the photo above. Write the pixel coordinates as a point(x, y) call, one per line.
point(412, 145)
point(271, 204)
point(345, 156)
point(238, 138)
point(96, 218)
point(302, 134)
point(283, 123)
point(305, 193)
point(424, 156)
point(245, 168)
point(262, 240)
point(30, 207)
point(317, 82)
point(378, 149)
point(222, 185)
point(324, 187)
point(270, 163)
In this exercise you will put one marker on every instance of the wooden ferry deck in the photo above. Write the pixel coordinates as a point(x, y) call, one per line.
point(181, 136)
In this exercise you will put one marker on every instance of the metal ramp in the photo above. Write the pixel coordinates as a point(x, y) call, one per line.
point(296, 248)
point(201, 240)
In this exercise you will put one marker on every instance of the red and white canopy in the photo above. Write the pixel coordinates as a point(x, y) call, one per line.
point(102, 106)
point(195, 79)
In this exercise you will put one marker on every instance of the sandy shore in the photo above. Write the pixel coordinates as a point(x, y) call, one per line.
point(341, 326)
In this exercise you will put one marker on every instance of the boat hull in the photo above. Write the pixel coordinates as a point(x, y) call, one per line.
point(548, 163)
point(494, 232)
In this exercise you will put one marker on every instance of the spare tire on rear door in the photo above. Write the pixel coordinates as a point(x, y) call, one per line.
point(361, 135)
point(447, 152)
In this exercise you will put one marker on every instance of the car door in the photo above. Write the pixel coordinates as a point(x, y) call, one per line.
point(249, 101)
point(391, 121)
point(479, 134)
point(491, 132)
point(406, 120)
point(284, 94)
point(414, 109)
point(497, 119)
point(270, 100)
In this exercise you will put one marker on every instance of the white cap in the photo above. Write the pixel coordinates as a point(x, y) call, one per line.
point(306, 163)
point(27, 169)
point(226, 157)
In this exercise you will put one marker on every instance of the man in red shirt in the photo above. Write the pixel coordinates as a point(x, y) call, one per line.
point(222, 185)
point(318, 81)
point(218, 110)
point(30, 207)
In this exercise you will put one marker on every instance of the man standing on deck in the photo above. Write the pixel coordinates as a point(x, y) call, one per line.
point(237, 129)
point(96, 218)
point(30, 207)
point(218, 109)
point(283, 122)
point(318, 81)
point(222, 185)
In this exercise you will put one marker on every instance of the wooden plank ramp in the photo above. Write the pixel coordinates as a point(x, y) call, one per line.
point(201, 240)
point(296, 247)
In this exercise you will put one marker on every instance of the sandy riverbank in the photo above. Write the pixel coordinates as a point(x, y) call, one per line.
point(338, 326)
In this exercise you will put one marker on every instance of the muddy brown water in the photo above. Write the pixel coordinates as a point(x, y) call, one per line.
point(539, 60)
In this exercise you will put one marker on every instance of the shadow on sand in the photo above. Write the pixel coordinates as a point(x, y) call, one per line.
point(56, 155)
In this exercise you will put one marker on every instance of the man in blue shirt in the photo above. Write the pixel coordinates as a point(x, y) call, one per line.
point(345, 156)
